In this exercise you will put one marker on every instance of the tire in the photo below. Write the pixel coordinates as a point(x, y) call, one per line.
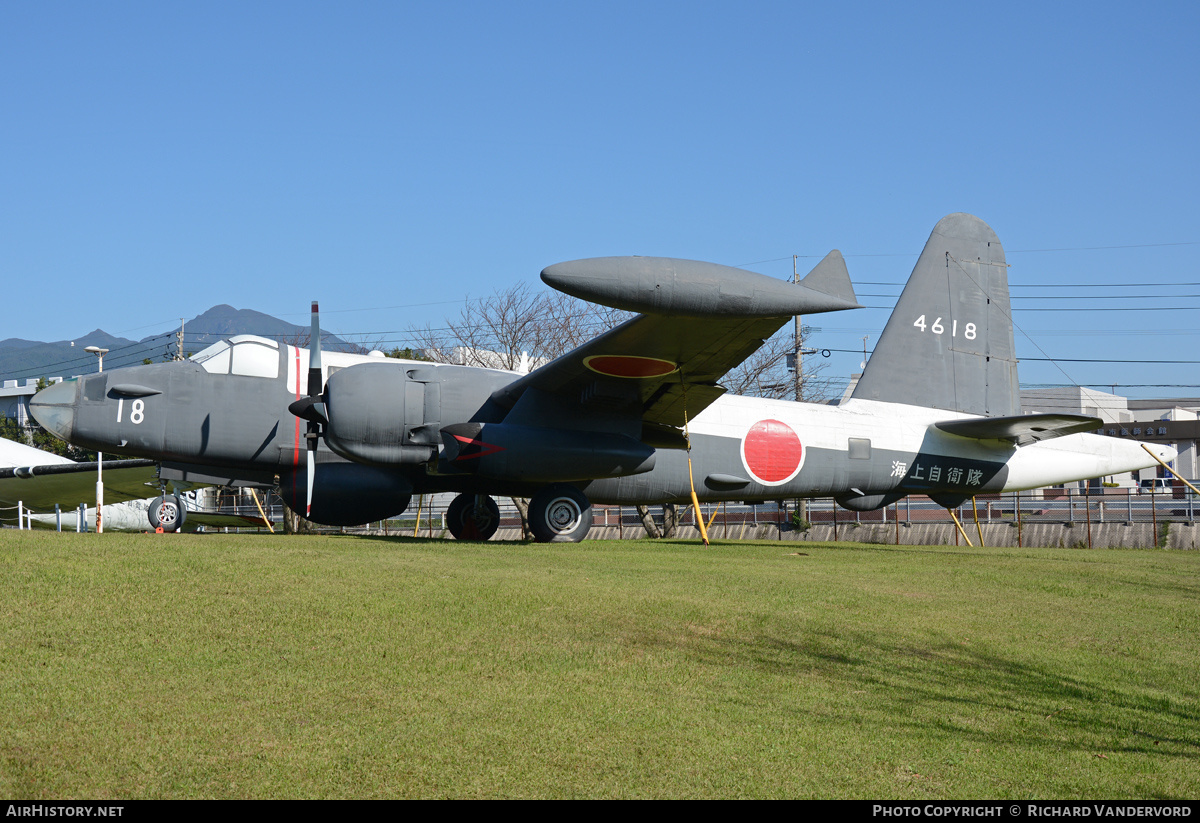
point(473, 517)
point(560, 513)
point(167, 512)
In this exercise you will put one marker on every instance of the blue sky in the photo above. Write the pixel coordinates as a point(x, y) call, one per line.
point(392, 158)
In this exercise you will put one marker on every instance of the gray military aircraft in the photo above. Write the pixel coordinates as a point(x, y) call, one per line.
point(636, 415)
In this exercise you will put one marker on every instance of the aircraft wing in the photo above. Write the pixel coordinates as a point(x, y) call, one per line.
point(217, 520)
point(69, 484)
point(655, 367)
point(1021, 429)
point(701, 321)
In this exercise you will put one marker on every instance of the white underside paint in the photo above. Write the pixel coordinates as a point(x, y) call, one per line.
point(909, 429)
point(17, 455)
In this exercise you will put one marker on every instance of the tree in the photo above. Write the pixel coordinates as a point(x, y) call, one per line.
point(766, 374)
point(670, 520)
point(406, 354)
point(294, 522)
point(515, 329)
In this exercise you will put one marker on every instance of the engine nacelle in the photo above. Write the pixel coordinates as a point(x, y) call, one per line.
point(503, 451)
point(347, 494)
point(377, 415)
point(389, 414)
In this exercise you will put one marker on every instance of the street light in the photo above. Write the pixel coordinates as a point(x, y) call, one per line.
point(99, 352)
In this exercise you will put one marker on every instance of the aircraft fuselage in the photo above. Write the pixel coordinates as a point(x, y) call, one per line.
point(204, 422)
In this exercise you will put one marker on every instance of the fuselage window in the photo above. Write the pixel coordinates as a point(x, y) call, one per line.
point(860, 448)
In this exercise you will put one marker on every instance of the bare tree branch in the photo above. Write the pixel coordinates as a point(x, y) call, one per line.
point(766, 374)
point(497, 331)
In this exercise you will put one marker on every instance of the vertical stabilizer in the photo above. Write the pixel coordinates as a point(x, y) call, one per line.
point(949, 341)
point(831, 277)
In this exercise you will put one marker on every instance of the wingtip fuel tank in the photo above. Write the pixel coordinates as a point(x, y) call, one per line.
point(692, 288)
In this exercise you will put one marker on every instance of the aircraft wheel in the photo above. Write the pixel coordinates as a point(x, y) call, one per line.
point(167, 512)
point(560, 513)
point(473, 517)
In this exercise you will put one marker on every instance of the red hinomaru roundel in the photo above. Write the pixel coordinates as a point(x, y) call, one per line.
point(629, 365)
point(771, 452)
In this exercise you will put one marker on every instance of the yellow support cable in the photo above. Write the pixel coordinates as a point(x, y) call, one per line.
point(687, 437)
point(978, 528)
point(1171, 470)
point(696, 501)
point(420, 502)
point(961, 530)
point(260, 510)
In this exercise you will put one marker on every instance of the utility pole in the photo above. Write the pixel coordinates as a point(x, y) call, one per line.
point(99, 352)
point(179, 341)
point(798, 375)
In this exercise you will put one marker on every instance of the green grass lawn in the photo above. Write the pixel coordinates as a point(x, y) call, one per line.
point(257, 666)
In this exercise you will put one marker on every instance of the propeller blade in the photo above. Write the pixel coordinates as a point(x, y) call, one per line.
point(314, 354)
point(314, 409)
point(311, 460)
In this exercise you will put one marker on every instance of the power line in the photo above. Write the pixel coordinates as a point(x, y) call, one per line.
point(1085, 308)
point(1011, 285)
point(1071, 296)
point(1058, 359)
point(1105, 248)
point(1006, 251)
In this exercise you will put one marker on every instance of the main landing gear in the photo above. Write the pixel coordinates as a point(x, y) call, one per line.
point(473, 517)
point(559, 513)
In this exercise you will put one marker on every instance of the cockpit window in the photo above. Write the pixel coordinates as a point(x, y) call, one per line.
point(255, 360)
point(214, 359)
point(244, 354)
point(253, 338)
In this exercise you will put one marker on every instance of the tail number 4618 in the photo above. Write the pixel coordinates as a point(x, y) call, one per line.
point(937, 328)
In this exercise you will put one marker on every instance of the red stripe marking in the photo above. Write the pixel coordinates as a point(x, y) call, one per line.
point(484, 448)
point(296, 443)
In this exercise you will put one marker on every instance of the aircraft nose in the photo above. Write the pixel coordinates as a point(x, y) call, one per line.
point(54, 408)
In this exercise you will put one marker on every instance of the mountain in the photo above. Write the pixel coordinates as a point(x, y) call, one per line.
point(31, 359)
point(18, 343)
point(225, 321)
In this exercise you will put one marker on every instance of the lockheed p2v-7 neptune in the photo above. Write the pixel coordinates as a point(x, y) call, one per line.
point(635, 416)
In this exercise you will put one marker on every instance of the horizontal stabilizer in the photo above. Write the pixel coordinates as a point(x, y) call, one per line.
point(1021, 429)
